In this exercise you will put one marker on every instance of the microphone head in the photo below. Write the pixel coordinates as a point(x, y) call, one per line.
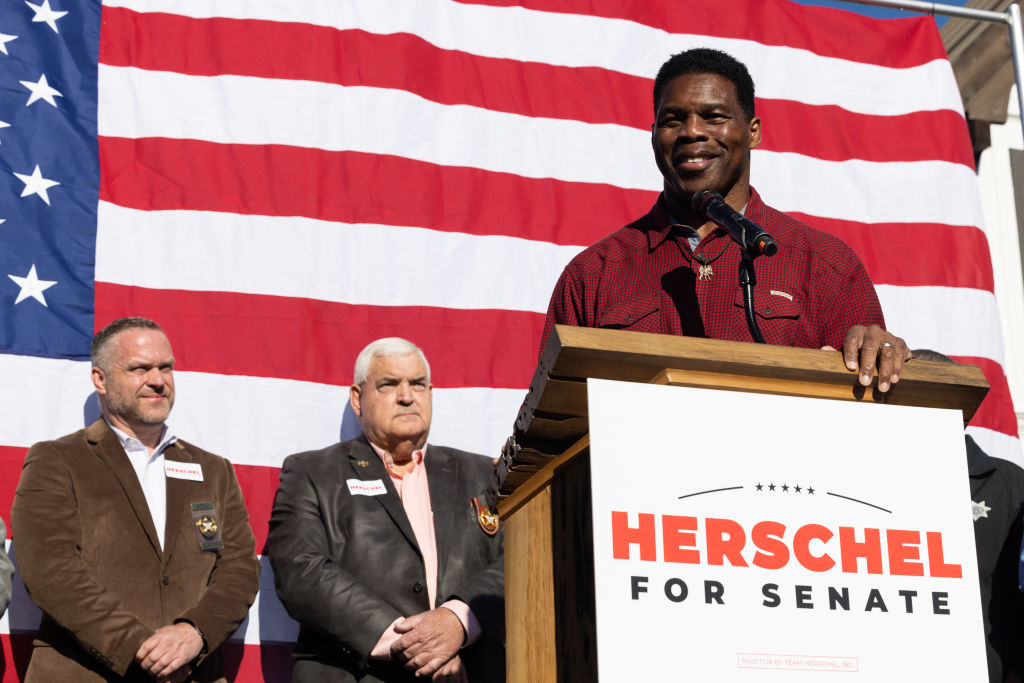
point(767, 246)
point(702, 200)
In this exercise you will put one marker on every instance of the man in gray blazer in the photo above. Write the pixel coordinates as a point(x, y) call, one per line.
point(380, 546)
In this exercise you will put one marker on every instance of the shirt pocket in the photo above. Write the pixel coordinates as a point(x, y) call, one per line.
point(636, 313)
point(773, 305)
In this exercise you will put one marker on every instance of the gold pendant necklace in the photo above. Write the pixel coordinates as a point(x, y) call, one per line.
point(704, 272)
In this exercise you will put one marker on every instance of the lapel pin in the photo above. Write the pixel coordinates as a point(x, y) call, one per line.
point(362, 463)
point(486, 517)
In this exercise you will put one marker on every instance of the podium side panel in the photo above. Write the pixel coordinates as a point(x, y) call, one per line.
point(529, 593)
point(573, 569)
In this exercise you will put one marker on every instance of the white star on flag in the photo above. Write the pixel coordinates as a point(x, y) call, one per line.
point(41, 91)
point(36, 184)
point(4, 39)
point(4, 124)
point(44, 13)
point(32, 286)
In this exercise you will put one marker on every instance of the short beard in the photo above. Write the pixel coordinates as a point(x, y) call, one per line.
point(129, 412)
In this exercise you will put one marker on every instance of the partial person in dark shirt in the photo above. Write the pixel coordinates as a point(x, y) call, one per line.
point(997, 506)
point(673, 272)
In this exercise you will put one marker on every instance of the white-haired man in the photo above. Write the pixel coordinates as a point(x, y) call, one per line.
point(380, 546)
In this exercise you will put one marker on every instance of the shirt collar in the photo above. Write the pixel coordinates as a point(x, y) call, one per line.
point(131, 444)
point(659, 224)
point(386, 458)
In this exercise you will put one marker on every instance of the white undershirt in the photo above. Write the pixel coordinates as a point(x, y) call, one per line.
point(150, 470)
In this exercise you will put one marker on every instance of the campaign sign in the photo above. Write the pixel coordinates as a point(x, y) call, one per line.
point(754, 537)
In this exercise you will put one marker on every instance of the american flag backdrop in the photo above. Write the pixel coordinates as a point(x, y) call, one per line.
point(278, 182)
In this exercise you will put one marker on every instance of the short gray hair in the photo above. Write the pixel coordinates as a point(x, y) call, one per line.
point(383, 348)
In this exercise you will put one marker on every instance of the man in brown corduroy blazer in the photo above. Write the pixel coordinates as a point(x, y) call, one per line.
point(135, 544)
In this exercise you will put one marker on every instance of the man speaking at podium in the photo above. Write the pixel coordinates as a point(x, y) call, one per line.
point(674, 270)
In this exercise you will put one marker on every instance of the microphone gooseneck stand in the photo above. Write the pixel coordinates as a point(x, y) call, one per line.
point(747, 282)
point(751, 237)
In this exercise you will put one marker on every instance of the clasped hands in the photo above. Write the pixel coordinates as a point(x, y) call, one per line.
point(166, 654)
point(430, 644)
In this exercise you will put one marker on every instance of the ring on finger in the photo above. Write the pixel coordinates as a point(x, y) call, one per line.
point(888, 345)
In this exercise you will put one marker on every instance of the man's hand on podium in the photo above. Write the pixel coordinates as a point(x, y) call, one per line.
point(867, 347)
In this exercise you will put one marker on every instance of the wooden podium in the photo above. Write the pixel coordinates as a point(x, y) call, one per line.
point(544, 496)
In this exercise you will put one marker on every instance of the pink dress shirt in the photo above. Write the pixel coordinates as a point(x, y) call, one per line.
point(415, 495)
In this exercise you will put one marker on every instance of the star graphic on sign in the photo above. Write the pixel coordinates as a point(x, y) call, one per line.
point(32, 286)
point(979, 510)
point(759, 487)
point(797, 489)
point(810, 491)
point(785, 487)
point(771, 487)
point(4, 39)
point(36, 184)
point(43, 13)
point(41, 91)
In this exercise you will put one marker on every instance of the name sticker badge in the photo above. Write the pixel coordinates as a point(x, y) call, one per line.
point(192, 471)
point(373, 487)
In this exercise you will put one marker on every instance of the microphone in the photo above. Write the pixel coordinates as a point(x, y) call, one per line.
point(751, 236)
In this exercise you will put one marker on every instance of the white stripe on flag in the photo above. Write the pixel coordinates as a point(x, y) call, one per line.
point(47, 395)
point(135, 103)
point(314, 259)
point(997, 444)
point(268, 621)
point(248, 420)
point(867, 191)
point(260, 420)
point(951, 320)
point(285, 112)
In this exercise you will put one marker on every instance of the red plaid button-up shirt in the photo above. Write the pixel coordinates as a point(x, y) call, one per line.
point(644, 278)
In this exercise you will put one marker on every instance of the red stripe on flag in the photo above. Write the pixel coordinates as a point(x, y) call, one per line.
point(460, 343)
point(905, 253)
point(268, 662)
point(996, 411)
point(328, 55)
point(823, 31)
point(232, 46)
point(157, 173)
point(11, 459)
point(17, 650)
point(258, 484)
point(835, 134)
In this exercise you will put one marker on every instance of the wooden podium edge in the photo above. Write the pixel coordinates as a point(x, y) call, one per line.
point(539, 481)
